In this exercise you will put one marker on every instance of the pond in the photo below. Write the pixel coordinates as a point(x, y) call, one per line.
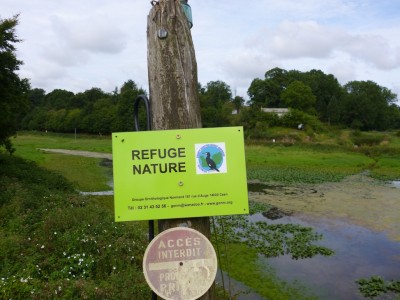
point(359, 219)
point(359, 253)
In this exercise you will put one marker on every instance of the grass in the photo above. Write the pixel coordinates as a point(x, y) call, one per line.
point(387, 168)
point(55, 243)
point(325, 160)
point(85, 173)
point(296, 164)
point(34, 140)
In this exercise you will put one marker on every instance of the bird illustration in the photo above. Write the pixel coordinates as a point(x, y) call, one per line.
point(211, 163)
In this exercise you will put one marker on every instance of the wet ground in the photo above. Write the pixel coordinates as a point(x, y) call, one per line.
point(359, 219)
point(357, 200)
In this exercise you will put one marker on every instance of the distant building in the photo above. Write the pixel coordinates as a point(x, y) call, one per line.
point(279, 111)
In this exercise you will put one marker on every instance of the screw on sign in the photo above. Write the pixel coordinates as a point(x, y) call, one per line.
point(180, 264)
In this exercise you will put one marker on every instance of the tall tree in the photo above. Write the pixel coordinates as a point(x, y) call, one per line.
point(58, 99)
point(258, 93)
point(214, 98)
point(238, 102)
point(124, 110)
point(299, 96)
point(13, 99)
point(328, 93)
point(366, 105)
point(267, 92)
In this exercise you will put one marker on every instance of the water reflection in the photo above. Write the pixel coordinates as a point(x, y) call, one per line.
point(359, 253)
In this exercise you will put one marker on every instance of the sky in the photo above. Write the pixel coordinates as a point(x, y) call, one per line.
point(76, 45)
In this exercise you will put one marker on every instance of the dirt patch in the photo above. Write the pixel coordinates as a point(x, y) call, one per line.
point(358, 199)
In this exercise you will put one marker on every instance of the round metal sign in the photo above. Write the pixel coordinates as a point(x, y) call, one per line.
point(180, 264)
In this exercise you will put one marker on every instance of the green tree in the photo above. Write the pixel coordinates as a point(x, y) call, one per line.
point(58, 99)
point(299, 96)
point(35, 101)
point(215, 106)
point(56, 120)
point(36, 97)
point(333, 111)
point(366, 105)
point(124, 109)
point(328, 93)
point(238, 103)
point(103, 116)
point(73, 120)
point(13, 98)
point(266, 92)
point(258, 92)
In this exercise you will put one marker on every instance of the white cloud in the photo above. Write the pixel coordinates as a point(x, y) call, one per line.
point(304, 39)
point(375, 50)
point(96, 33)
point(80, 44)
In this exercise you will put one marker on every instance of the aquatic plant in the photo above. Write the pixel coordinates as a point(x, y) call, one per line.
point(376, 286)
point(270, 240)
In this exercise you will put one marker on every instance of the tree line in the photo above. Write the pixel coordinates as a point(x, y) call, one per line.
point(313, 98)
point(360, 105)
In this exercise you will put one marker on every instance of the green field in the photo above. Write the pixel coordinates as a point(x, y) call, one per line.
point(48, 230)
point(299, 163)
point(85, 173)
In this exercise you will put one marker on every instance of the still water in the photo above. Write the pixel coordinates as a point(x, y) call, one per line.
point(359, 253)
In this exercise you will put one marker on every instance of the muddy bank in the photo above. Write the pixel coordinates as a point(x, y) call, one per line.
point(358, 200)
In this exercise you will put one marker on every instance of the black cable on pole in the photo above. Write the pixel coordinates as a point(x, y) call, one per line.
point(145, 100)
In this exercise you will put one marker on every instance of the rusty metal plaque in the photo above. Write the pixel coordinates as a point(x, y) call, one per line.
point(180, 264)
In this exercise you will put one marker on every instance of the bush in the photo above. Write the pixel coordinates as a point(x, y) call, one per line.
point(296, 117)
point(367, 139)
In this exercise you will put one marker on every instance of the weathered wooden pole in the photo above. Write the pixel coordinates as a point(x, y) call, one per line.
point(173, 84)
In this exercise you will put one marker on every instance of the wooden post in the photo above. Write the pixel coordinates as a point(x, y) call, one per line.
point(173, 84)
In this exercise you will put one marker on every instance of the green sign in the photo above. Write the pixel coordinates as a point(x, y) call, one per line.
point(179, 173)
